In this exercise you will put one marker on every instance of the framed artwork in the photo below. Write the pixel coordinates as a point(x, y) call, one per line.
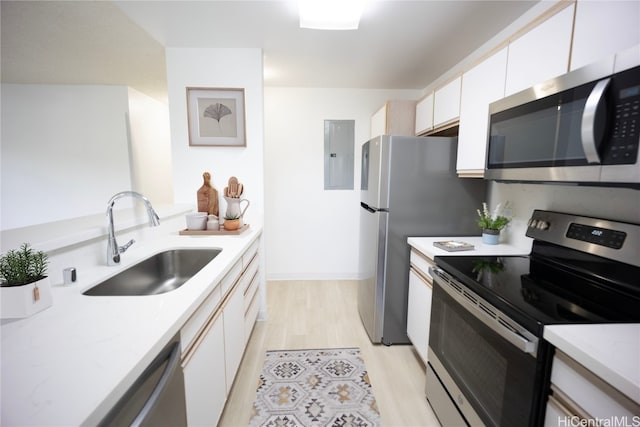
point(216, 117)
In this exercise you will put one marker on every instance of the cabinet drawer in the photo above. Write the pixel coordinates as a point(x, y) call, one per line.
point(251, 290)
point(251, 314)
point(585, 394)
point(197, 321)
point(250, 253)
point(231, 277)
point(422, 264)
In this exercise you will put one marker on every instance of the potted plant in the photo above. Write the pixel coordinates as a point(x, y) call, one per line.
point(232, 221)
point(24, 285)
point(492, 222)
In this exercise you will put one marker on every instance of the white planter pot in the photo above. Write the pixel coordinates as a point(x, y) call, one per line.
point(21, 301)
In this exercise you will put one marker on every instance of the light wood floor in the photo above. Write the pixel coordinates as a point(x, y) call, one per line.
point(324, 314)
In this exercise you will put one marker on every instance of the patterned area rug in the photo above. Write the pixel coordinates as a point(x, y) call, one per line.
point(328, 387)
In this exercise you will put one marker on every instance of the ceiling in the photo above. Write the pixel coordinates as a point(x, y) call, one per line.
point(399, 45)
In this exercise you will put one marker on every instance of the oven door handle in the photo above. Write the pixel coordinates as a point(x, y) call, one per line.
point(486, 313)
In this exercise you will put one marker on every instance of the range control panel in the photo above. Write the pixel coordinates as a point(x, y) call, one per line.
point(599, 236)
point(615, 240)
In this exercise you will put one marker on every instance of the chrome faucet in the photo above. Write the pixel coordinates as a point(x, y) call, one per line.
point(113, 250)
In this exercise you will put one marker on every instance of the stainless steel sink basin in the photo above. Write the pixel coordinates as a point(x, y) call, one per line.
point(160, 273)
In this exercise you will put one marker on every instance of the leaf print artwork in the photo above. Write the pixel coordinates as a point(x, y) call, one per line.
point(217, 111)
point(217, 117)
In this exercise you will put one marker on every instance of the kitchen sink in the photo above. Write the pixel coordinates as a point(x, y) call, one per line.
point(158, 274)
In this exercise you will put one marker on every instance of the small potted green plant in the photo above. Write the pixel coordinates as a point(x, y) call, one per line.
point(24, 285)
point(232, 222)
point(492, 223)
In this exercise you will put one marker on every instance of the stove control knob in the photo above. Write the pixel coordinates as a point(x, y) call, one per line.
point(542, 225)
point(532, 223)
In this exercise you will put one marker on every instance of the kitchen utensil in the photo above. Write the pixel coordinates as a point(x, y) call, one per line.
point(233, 187)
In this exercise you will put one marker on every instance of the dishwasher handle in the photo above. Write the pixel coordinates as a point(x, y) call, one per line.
point(169, 370)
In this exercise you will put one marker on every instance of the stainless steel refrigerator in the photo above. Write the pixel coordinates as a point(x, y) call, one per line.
point(409, 187)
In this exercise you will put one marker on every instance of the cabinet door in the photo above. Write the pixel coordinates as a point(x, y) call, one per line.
point(418, 313)
point(540, 54)
point(586, 394)
point(446, 103)
point(233, 334)
point(481, 85)
point(590, 45)
point(379, 122)
point(204, 376)
point(424, 115)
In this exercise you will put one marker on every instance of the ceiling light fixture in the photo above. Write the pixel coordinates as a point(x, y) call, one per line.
point(330, 14)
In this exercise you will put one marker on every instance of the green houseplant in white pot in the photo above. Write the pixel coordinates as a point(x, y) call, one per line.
point(492, 223)
point(25, 288)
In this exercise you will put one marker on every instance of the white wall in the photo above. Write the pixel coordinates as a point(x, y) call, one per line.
point(217, 68)
point(151, 168)
point(64, 151)
point(312, 233)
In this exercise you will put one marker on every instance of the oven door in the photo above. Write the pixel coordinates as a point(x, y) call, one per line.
point(486, 363)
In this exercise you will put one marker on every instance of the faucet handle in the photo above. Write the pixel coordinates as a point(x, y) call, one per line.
point(126, 246)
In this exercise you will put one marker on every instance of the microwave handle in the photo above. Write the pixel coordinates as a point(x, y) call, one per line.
point(589, 144)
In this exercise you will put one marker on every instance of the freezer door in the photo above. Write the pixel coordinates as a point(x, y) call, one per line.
point(372, 189)
point(373, 229)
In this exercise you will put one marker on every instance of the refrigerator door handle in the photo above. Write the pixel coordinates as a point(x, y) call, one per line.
point(367, 207)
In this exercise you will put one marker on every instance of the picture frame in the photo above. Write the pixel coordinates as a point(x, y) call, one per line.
point(216, 117)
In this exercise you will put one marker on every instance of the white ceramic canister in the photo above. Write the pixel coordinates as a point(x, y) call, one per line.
point(197, 221)
point(213, 223)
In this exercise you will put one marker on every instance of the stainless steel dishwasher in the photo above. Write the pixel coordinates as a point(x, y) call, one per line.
point(157, 397)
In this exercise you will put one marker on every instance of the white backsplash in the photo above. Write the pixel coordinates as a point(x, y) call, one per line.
point(621, 204)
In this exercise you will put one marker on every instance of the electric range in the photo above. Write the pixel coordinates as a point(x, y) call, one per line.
point(488, 362)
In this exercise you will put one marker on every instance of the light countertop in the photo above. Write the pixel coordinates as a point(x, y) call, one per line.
point(425, 245)
point(68, 364)
point(611, 351)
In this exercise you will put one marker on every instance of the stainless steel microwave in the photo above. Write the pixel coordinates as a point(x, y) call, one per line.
point(582, 127)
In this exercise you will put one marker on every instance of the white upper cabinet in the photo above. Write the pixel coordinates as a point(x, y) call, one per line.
point(379, 122)
point(603, 28)
point(446, 103)
point(542, 53)
point(396, 117)
point(424, 115)
point(481, 85)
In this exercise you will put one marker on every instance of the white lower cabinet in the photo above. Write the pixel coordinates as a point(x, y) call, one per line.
point(214, 340)
point(419, 304)
point(580, 397)
point(419, 311)
point(204, 376)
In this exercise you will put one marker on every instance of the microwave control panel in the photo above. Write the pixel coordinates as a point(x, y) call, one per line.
point(625, 137)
